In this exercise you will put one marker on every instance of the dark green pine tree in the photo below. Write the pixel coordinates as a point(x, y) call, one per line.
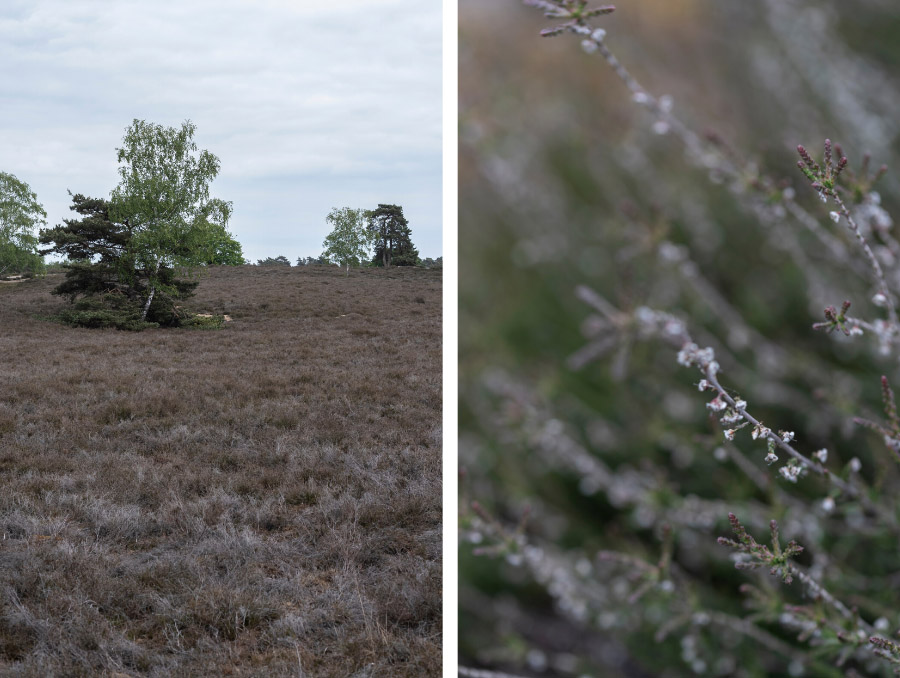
point(92, 245)
point(101, 269)
point(392, 236)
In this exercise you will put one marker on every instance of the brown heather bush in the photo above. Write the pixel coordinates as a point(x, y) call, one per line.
point(263, 500)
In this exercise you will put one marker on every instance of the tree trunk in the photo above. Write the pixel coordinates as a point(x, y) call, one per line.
point(152, 292)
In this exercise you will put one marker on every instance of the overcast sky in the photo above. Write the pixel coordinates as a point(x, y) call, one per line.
point(308, 105)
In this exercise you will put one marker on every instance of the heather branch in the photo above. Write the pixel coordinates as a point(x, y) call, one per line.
point(674, 330)
point(593, 42)
point(779, 561)
point(824, 181)
point(873, 260)
point(890, 434)
point(778, 441)
point(753, 631)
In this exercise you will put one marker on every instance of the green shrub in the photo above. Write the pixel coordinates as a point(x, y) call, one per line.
point(105, 310)
point(203, 322)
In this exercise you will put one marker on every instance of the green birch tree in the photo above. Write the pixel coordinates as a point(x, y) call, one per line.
point(20, 215)
point(350, 240)
point(164, 197)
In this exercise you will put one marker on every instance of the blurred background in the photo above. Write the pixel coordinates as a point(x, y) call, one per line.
point(566, 181)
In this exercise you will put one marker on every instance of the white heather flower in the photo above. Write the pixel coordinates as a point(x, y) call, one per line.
point(855, 331)
point(823, 197)
point(589, 46)
point(703, 385)
point(660, 127)
point(881, 624)
point(640, 98)
point(665, 103)
point(705, 355)
point(788, 193)
point(514, 559)
point(771, 458)
point(787, 436)
point(729, 434)
point(713, 368)
point(731, 417)
point(670, 252)
point(789, 473)
point(835, 216)
point(879, 300)
point(717, 404)
point(740, 404)
point(828, 504)
point(821, 455)
point(674, 328)
point(598, 35)
point(875, 198)
point(855, 465)
point(760, 431)
point(688, 354)
point(644, 315)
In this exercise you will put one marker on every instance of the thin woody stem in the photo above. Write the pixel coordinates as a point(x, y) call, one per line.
point(819, 591)
point(876, 267)
point(690, 139)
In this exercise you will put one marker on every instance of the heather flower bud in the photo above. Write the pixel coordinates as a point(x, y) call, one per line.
point(598, 35)
point(760, 431)
point(589, 46)
point(717, 404)
point(879, 300)
point(790, 473)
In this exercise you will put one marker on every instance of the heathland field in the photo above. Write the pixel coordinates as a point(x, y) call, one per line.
point(261, 500)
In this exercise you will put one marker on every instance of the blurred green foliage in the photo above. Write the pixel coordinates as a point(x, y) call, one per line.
point(563, 183)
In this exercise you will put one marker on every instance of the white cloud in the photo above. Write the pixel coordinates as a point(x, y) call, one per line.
point(309, 105)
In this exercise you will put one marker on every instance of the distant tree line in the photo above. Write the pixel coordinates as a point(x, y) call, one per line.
point(360, 237)
point(129, 260)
